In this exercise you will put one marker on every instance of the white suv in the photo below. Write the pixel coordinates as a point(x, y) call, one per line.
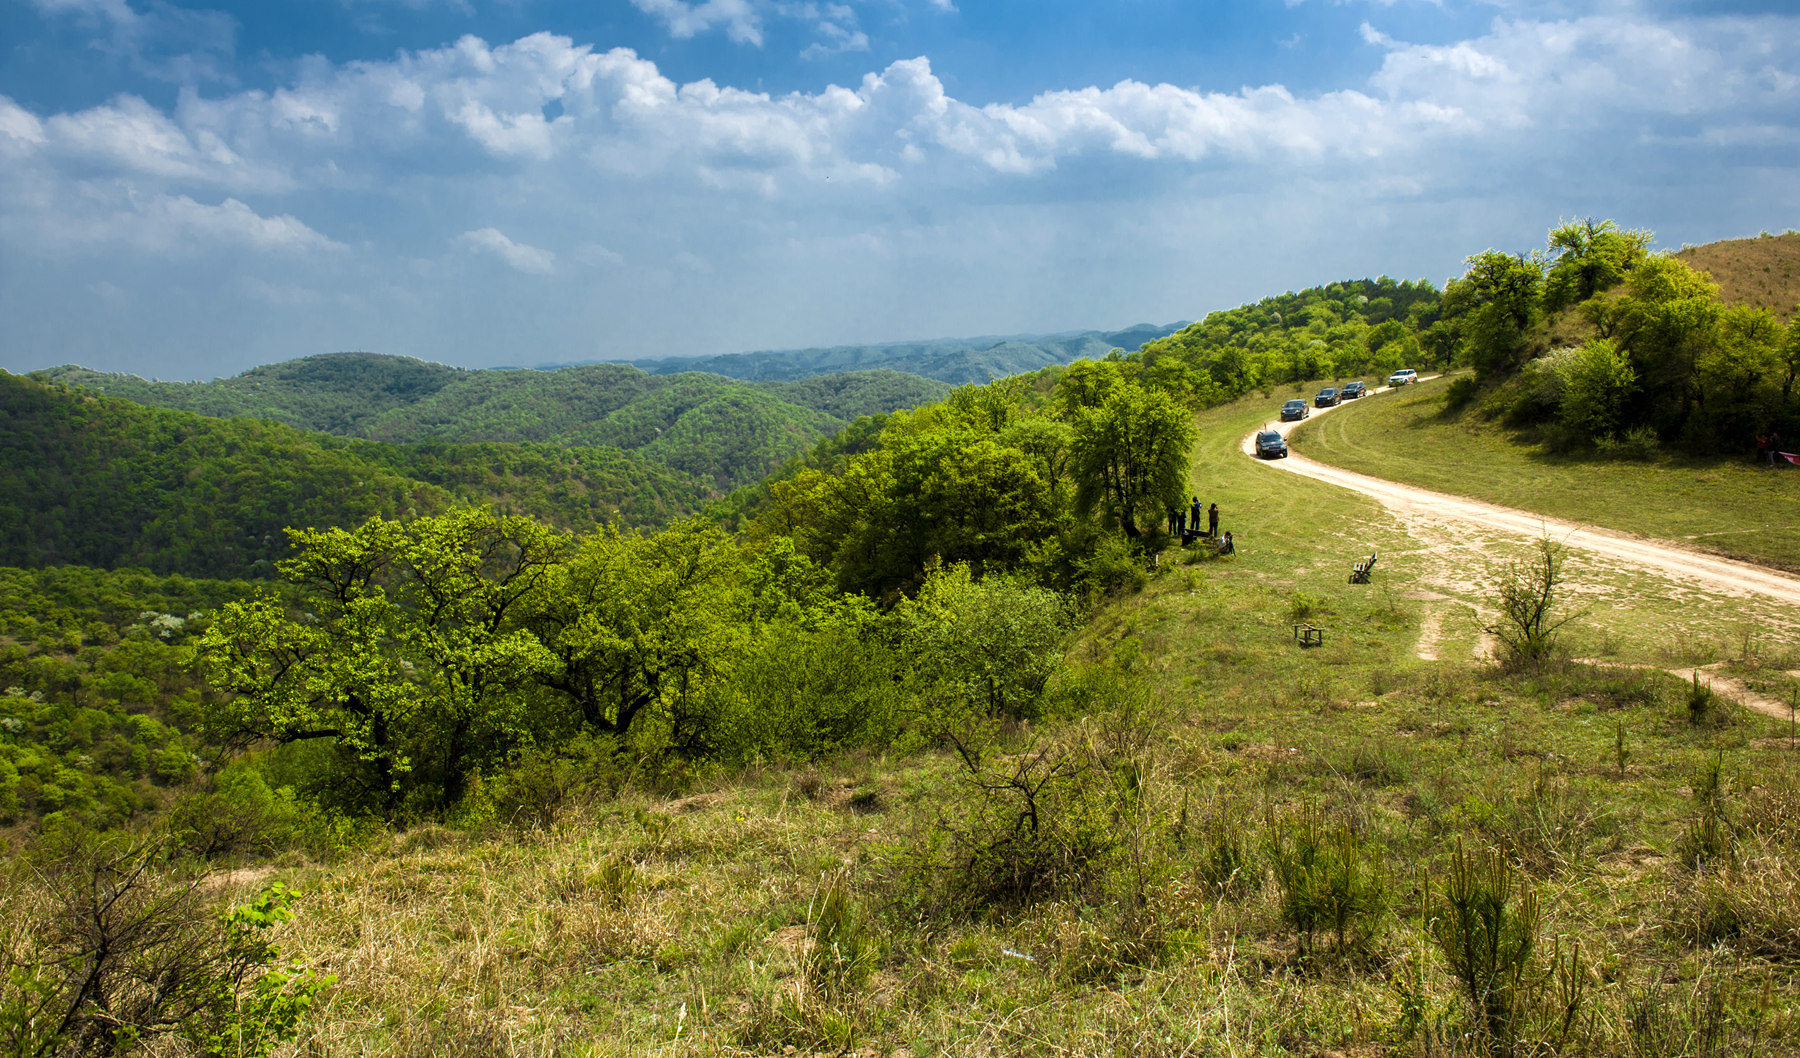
point(1403, 377)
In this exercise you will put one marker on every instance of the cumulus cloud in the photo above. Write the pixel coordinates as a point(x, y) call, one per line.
point(835, 26)
point(518, 256)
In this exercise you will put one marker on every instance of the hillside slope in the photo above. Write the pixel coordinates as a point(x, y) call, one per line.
point(1725, 506)
point(1759, 272)
point(103, 482)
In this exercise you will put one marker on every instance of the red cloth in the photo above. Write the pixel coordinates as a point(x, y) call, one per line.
point(1792, 457)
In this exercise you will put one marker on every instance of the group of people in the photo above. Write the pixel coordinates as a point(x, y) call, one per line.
point(1185, 523)
point(1768, 449)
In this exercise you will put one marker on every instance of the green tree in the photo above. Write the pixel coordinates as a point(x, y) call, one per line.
point(1667, 321)
point(1497, 300)
point(1598, 383)
point(404, 649)
point(1130, 456)
point(1790, 356)
point(1737, 370)
point(1590, 257)
point(637, 625)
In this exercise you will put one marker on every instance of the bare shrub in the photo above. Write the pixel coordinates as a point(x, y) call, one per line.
point(1527, 628)
point(122, 950)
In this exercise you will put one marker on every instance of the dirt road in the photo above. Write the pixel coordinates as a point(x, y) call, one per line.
point(1420, 508)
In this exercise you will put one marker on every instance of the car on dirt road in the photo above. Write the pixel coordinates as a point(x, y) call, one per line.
point(1270, 445)
point(1294, 410)
point(1406, 376)
point(1353, 390)
point(1327, 398)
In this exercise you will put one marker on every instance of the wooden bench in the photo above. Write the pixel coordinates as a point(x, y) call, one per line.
point(1359, 570)
point(1308, 636)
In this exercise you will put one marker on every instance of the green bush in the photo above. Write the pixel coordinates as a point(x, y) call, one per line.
point(983, 648)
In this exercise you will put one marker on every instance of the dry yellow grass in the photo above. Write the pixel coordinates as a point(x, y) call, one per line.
point(1762, 271)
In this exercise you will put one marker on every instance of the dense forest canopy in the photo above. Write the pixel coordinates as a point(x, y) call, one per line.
point(1339, 330)
point(98, 481)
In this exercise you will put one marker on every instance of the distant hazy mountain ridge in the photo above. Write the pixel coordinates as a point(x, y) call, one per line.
point(957, 361)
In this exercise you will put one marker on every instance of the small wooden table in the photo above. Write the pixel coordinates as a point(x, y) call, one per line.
point(1309, 636)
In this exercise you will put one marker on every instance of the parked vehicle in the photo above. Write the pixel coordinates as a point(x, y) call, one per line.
point(1353, 390)
point(1271, 445)
point(1294, 410)
point(1327, 398)
point(1406, 376)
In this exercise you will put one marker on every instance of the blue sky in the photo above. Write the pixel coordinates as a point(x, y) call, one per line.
point(188, 189)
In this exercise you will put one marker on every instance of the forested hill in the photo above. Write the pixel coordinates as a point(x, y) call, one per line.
point(726, 431)
point(958, 361)
point(1359, 327)
point(96, 481)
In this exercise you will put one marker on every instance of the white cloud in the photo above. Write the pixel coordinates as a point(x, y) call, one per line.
point(128, 135)
point(834, 25)
point(834, 39)
point(20, 128)
point(95, 217)
point(518, 256)
point(739, 17)
point(231, 223)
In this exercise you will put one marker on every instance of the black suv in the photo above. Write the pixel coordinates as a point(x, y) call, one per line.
point(1270, 444)
point(1327, 398)
point(1352, 390)
point(1294, 410)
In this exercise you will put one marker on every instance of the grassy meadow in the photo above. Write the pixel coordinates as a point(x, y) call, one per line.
point(1213, 843)
point(1728, 506)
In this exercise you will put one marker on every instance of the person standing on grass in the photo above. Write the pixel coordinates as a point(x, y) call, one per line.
point(1212, 520)
point(1774, 445)
point(1195, 510)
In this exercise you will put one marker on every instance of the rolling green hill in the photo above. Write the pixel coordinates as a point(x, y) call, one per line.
point(97, 481)
point(725, 431)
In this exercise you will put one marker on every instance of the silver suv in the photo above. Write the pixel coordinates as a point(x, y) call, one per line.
point(1406, 376)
